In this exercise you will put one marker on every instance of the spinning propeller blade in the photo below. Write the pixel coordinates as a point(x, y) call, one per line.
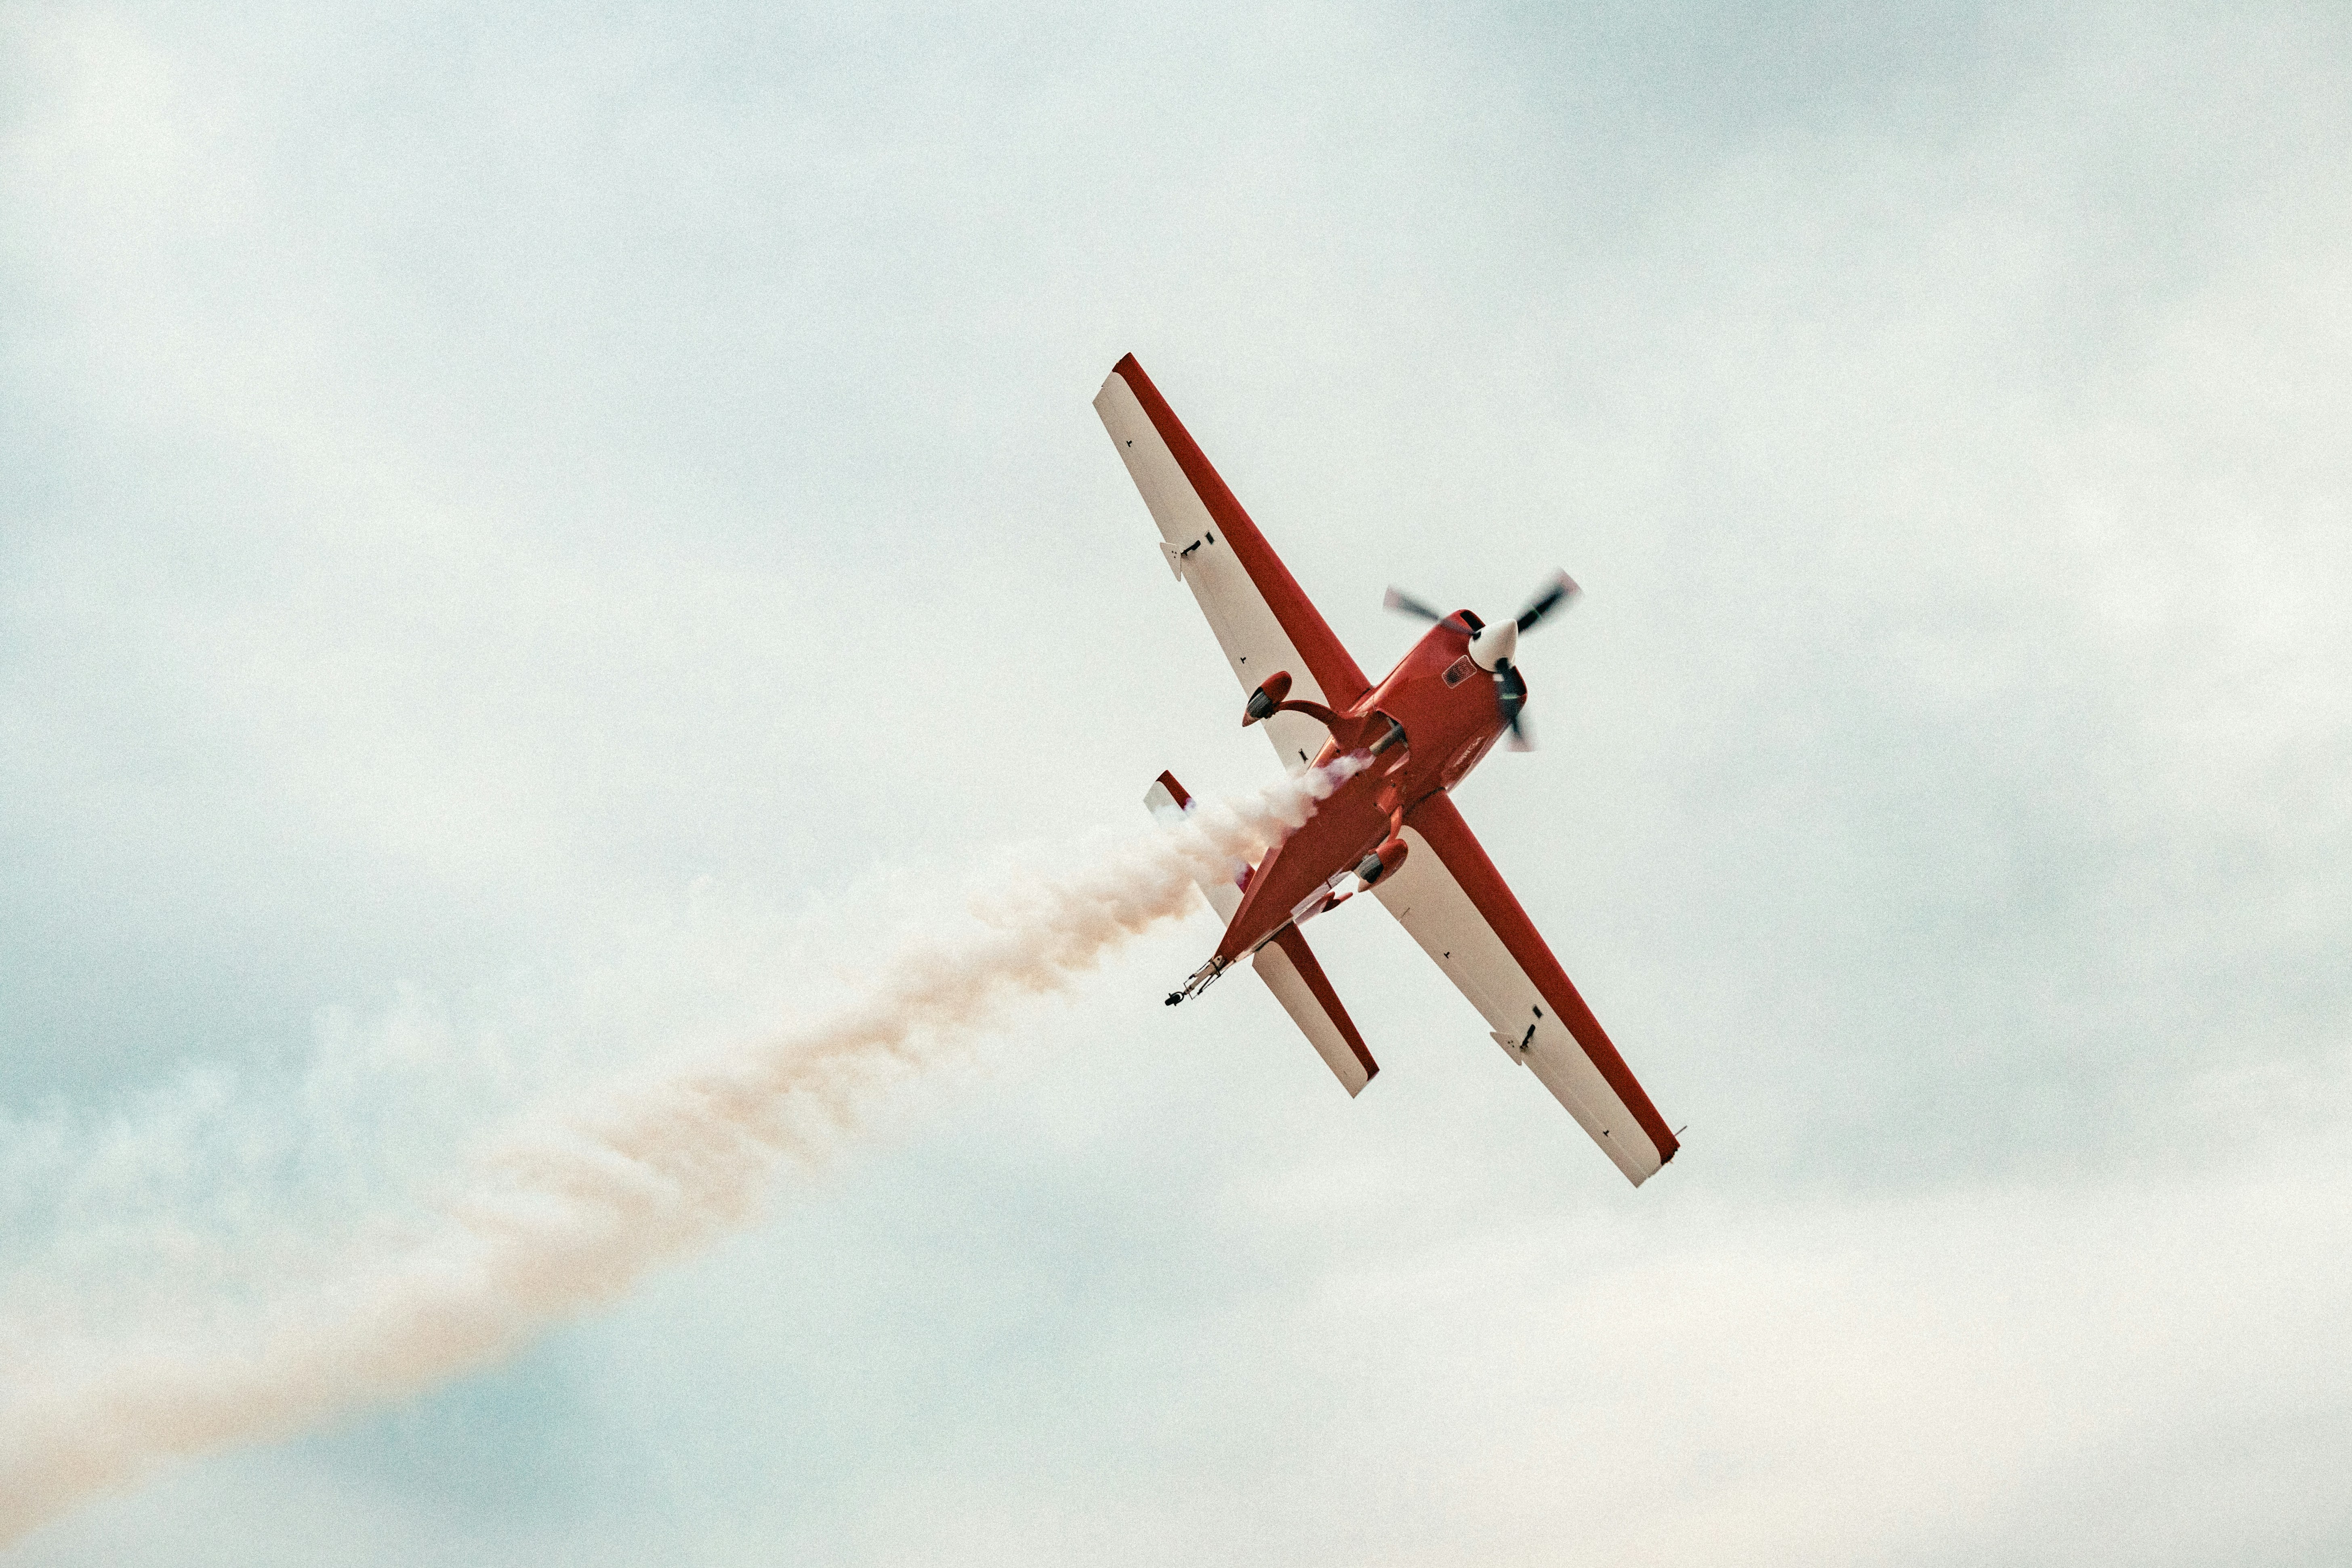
point(1394, 600)
point(1561, 588)
point(1510, 697)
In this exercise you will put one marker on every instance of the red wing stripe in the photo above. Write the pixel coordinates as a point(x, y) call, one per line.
point(1302, 958)
point(1437, 820)
point(1326, 657)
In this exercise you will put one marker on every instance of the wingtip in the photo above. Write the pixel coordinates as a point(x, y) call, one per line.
point(1666, 1157)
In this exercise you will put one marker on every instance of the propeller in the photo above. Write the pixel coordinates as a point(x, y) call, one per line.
point(1493, 648)
point(1511, 696)
point(1549, 597)
point(1394, 600)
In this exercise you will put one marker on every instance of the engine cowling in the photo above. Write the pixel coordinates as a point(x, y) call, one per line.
point(1382, 863)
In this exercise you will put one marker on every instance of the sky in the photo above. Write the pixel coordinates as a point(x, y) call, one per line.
point(534, 538)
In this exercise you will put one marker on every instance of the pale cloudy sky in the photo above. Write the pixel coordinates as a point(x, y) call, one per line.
point(530, 537)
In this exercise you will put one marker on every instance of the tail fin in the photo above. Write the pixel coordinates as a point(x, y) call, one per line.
point(1286, 965)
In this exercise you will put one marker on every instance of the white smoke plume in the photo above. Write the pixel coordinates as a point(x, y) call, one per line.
point(576, 1201)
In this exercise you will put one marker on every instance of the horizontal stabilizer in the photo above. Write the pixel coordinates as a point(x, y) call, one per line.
point(1166, 802)
point(1288, 968)
point(1287, 965)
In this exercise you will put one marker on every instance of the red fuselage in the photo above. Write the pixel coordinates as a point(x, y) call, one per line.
point(1447, 708)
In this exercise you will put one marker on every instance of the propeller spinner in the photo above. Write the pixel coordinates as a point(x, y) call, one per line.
point(1493, 648)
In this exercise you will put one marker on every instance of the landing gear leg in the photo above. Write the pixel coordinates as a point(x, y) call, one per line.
point(1201, 979)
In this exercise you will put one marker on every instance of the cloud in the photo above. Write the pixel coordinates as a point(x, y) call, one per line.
point(470, 477)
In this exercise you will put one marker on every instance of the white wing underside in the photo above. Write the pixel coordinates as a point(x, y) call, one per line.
point(1246, 626)
point(1440, 915)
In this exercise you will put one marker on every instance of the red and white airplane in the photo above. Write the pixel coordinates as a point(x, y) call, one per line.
point(1390, 828)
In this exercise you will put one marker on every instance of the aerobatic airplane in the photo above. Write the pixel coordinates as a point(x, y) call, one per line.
point(1390, 826)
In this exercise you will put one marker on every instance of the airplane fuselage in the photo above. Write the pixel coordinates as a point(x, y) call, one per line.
point(1444, 704)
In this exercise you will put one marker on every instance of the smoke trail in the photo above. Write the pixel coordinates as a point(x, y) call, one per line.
point(576, 1203)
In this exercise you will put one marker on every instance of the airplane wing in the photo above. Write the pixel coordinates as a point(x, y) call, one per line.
point(1260, 616)
point(1448, 895)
